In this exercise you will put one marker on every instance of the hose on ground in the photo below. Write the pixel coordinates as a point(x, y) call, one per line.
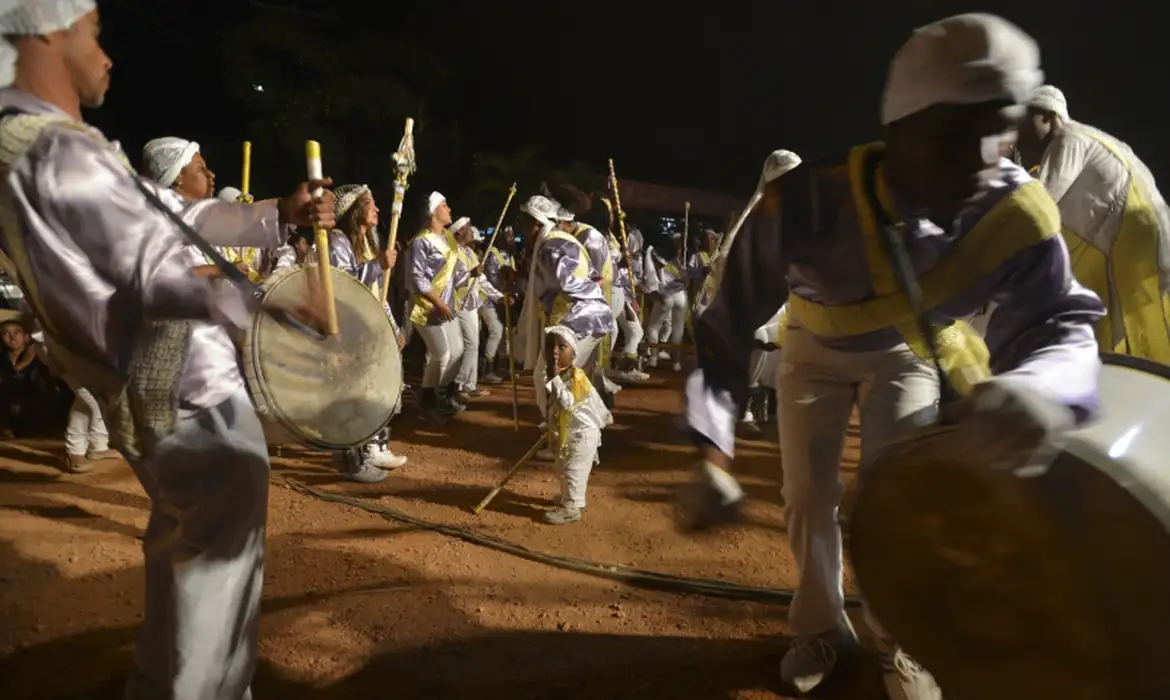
point(639, 578)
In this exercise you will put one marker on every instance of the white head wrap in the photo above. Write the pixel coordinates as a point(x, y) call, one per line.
point(965, 59)
point(564, 332)
point(34, 17)
point(1052, 99)
point(541, 208)
point(229, 194)
point(476, 234)
point(163, 158)
point(459, 223)
point(433, 202)
point(564, 214)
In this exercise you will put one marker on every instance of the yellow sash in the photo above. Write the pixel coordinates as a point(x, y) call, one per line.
point(564, 302)
point(580, 386)
point(247, 256)
point(1025, 218)
point(442, 279)
point(470, 261)
point(1131, 270)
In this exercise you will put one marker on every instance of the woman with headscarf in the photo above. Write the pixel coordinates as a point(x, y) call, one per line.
point(435, 272)
point(353, 249)
point(470, 297)
point(177, 164)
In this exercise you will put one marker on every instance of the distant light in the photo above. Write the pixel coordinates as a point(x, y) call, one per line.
point(258, 88)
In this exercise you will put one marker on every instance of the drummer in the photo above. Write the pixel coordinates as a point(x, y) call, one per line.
point(354, 249)
point(976, 227)
point(95, 259)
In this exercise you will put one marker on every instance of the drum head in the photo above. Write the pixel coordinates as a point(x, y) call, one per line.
point(1029, 586)
point(329, 394)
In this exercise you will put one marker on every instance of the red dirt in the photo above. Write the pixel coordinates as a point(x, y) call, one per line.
point(360, 607)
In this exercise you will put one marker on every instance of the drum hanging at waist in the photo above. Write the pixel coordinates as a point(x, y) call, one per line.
point(330, 394)
point(1029, 583)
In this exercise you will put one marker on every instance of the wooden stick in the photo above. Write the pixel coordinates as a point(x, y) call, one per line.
point(246, 176)
point(617, 205)
point(500, 221)
point(313, 159)
point(511, 473)
point(405, 165)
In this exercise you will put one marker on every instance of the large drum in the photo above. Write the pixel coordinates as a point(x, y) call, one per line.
point(1030, 583)
point(329, 394)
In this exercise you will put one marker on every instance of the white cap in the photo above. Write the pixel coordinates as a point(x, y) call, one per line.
point(433, 201)
point(1050, 98)
point(458, 224)
point(33, 17)
point(229, 194)
point(564, 332)
point(564, 214)
point(965, 59)
point(165, 157)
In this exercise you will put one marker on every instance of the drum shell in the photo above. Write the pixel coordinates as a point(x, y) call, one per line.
point(331, 394)
point(1023, 583)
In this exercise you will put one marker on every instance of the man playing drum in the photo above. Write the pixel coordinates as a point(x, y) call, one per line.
point(975, 228)
point(111, 284)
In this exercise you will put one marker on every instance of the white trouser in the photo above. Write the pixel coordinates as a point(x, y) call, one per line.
point(575, 464)
point(468, 376)
point(586, 359)
point(204, 551)
point(495, 331)
point(896, 392)
point(444, 352)
point(670, 310)
point(631, 328)
point(86, 430)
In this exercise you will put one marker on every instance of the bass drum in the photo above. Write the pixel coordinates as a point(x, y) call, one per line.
point(329, 394)
point(1011, 584)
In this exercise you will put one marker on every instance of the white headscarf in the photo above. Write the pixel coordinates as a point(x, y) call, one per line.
point(564, 332)
point(542, 209)
point(34, 17)
point(564, 214)
point(433, 202)
point(476, 234)
point(164, 157)
point(229, 194)
point(1050, 98)
point(459, 223)
point(965, 59)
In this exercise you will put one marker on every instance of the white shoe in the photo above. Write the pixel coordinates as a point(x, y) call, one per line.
point(810, 660)
point(543, 425)
point(663, 355)
point(678, 367)
point(610, 386)
point(638, 375)
point(715, 498)
point(747, 417)
point(906, 680)
point(562, 515)
point(390, 460)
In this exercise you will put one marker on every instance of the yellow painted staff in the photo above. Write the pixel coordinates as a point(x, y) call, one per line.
point(246, 176)
point(313, 160)
point(507, 310)
point(404, 165)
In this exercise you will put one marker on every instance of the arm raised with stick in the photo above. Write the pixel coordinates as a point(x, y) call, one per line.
point(621, 219)
point(776, 164)
point(405, 165)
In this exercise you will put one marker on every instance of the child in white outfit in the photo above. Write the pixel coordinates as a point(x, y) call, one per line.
point(576, 416)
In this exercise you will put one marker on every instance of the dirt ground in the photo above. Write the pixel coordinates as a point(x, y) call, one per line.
point(356, 606)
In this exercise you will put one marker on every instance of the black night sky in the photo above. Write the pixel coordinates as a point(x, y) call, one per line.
point(686, 94)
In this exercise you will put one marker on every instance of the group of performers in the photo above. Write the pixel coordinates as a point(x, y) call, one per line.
point(134, 311)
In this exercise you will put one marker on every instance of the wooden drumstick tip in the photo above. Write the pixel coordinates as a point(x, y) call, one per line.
point(409, 126)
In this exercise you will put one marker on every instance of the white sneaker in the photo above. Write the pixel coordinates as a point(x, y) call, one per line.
point(810, 660)
point(638, 375)
point(562, 515)
point(747, 417)
point(678, 367)
point(906, 680)
point(663, 355)
point(610, 386)
point(713, 499)
point(388, 460)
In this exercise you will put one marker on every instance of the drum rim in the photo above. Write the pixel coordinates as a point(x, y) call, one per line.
point(260, 391)
point(1139, 363)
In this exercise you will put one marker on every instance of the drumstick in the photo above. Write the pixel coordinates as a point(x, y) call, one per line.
point(500, 221)
point(511, 473)
point(313, 160)
point(404, 164)
point(246, 176)
point(511, 351)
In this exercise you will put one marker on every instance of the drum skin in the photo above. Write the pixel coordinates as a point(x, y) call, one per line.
point(329, 394)
point(1015, 584)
